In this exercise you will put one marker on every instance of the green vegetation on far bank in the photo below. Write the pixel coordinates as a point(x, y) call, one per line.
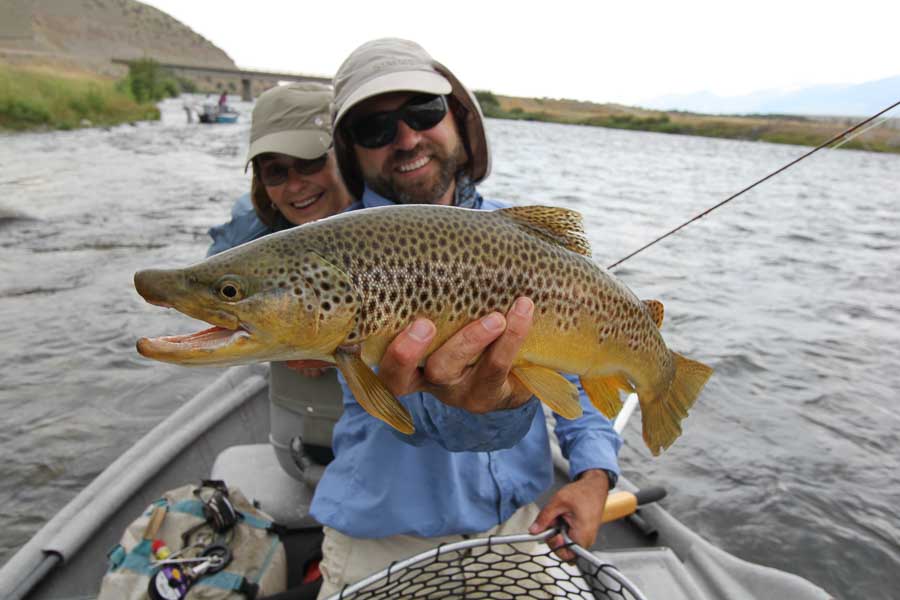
point(779, 129)
point(148, 82)
point(39, 98)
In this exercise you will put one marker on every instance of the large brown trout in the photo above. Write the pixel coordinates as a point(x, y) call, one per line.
point(340, 289)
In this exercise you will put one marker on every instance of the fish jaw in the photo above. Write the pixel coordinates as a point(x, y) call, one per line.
point(230, 342)
point(216, 346)
point(255, 322)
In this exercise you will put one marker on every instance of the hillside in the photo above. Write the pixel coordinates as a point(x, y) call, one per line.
point(86, 34)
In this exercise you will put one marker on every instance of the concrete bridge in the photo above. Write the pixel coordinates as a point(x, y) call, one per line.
point(246, 77)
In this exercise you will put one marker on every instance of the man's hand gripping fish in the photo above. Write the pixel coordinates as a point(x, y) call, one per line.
point(340, 289)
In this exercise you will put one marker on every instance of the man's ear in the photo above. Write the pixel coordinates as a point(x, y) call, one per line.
point(460, 116)
point(460, 112)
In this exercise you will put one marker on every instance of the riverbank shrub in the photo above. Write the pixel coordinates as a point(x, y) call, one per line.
point(34, 98)
point(490, 106)
point(147, 81)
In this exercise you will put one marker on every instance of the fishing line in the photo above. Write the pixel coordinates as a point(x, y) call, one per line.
point(832, 140)
point(860, 132)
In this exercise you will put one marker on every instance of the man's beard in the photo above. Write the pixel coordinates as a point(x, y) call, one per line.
point(420, 191)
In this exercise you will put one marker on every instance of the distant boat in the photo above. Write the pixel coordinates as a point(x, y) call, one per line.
point(213, 113)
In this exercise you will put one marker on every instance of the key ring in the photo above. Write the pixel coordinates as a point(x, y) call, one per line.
point(218, 555)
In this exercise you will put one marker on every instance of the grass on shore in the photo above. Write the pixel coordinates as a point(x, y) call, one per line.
point(779, 129)
point(41, 98)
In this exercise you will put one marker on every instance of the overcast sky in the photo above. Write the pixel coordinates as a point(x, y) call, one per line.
point(605, 51)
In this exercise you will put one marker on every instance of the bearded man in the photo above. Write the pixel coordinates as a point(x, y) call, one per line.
point(407, 131)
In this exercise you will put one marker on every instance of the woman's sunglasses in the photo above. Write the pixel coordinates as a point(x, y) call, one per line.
point(379, 129)
point(274, 171)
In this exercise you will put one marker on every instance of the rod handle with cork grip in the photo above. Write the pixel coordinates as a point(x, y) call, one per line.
point(622, 504)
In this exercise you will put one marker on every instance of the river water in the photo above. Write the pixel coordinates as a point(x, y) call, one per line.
point(790, 457)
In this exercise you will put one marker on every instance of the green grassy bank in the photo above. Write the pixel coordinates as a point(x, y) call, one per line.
point(41, 98)
point(779, 129)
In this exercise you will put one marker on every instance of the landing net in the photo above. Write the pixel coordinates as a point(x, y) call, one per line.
point(496, 568)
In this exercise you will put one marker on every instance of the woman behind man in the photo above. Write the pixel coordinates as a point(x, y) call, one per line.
point(295, 175)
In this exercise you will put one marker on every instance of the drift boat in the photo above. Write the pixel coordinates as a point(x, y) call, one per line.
point(213, 113)
point(267, 431)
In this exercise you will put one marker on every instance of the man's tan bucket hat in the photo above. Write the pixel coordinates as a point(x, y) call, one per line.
point(292, 119)
point(394, 65)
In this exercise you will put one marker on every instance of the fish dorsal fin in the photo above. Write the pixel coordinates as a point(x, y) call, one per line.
point(556, 225)
point(656, 311)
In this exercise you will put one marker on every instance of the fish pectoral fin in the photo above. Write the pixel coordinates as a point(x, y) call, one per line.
point(371, 394)
point(657, 310)
point(604, 393)
point(551, 388)
point(661, 416)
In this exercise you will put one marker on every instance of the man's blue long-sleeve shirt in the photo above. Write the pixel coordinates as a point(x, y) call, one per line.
point(459, 472)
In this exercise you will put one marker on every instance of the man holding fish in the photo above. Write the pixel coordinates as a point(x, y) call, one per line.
point(407, 131)
point(459, 446)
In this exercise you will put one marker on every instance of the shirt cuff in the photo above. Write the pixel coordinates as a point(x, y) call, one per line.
point(463, 431)
point(597, 453)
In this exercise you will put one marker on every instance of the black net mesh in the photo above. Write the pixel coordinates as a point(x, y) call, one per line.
point(498, 568)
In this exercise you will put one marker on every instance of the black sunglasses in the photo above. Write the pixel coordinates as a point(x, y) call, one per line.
point(379, 129)
point(274, 171)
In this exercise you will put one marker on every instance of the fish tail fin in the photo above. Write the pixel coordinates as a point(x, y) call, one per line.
point(604, 393)
point(662, 415)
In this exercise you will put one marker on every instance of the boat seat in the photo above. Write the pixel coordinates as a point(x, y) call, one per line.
point(656, 572)
point(281, 475)
point(302, 415)
point(256, 471)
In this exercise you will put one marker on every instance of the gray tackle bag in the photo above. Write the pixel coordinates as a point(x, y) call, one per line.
point(197, 542)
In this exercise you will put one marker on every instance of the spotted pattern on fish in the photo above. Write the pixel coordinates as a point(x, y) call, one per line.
point(436, 263)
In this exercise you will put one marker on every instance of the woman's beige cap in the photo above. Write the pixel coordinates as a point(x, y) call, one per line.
point(292, 119)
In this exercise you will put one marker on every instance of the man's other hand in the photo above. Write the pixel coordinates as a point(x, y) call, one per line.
point(580, 504)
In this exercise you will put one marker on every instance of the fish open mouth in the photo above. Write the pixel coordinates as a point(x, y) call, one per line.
point(202, 346)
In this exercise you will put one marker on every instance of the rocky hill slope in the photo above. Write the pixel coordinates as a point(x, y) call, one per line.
point(86, 34)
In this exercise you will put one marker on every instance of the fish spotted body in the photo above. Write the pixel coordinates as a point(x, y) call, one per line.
point(340, 289)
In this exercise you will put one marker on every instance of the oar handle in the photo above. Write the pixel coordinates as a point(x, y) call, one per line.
point(153, 525)
point(622, 504)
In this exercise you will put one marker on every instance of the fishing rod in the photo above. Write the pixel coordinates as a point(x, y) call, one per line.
point(832, 140)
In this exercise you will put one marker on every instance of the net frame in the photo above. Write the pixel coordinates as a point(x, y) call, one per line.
point(590, 577)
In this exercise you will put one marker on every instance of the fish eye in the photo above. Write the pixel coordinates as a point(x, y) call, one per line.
point(229, 290)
